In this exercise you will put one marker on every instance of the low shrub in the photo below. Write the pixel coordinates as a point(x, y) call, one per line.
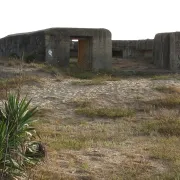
point(18, 148)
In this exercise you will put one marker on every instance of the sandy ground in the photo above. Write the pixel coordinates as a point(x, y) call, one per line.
point(101, 161)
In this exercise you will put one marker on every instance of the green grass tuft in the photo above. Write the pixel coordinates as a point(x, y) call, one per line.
point(166, 123)
point(161, 77)
point(168, 89)
point(170, 101)
point(105, 112)
point(89, 82)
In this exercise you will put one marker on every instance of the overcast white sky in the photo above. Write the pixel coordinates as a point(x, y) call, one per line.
point(126, 19)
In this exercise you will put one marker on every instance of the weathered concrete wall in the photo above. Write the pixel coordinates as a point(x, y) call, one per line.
point(32, 44)
point(144, 49)
point(166, 51)
point(133, 49)
point(174, 63)
point(58, 46)
point(146, 44)
point(53, 46)
point(161, 50)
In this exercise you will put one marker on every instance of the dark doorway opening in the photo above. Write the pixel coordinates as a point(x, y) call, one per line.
point(74, 51)
point(118, 54)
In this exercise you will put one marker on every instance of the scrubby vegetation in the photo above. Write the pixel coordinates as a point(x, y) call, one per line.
point(105, 112)
point(18, 147)
point(93, 128)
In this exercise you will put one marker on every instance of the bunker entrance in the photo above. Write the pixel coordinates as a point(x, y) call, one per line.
point(74, 51)
point(118, 54)
point(81, 52)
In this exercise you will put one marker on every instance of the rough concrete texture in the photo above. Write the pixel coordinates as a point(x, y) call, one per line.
point(161, 50)
point(32, 44)
point(133, 49)
point(166, 51)
point(53, 46)
point(174, 63)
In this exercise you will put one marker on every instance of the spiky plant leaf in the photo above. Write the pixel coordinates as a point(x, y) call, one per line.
point(16, 135)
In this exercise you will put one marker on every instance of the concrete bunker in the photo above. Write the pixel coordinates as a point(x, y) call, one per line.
point(132, 49)
point(54, 45)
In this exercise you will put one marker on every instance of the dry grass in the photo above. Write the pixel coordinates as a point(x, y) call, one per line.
point(166, 123)
point(45, 174)
point(99, 79)
point(170, 101)
point(76, 136)
point(135, 170)
point(166, 77)
point(168, 151)
point(11, 62)
point(81, 103)
point(16, 83)
point(168, 89)
point(161, 77)
point(22, 79)
point(80, 136)
point(14, 63)
point(117, 143)
point(105, 112)
point(164, 133)
point(89, 82)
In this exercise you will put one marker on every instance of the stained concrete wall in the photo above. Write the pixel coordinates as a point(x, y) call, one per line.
point(58, 42)
point(128, 48)
point(133, 49)
point(161, 50)
point(166, 51)
point(53, 46)
point(32, 44)
point(174, 63)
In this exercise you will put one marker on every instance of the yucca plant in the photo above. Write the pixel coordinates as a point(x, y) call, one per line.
point(16, 136)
